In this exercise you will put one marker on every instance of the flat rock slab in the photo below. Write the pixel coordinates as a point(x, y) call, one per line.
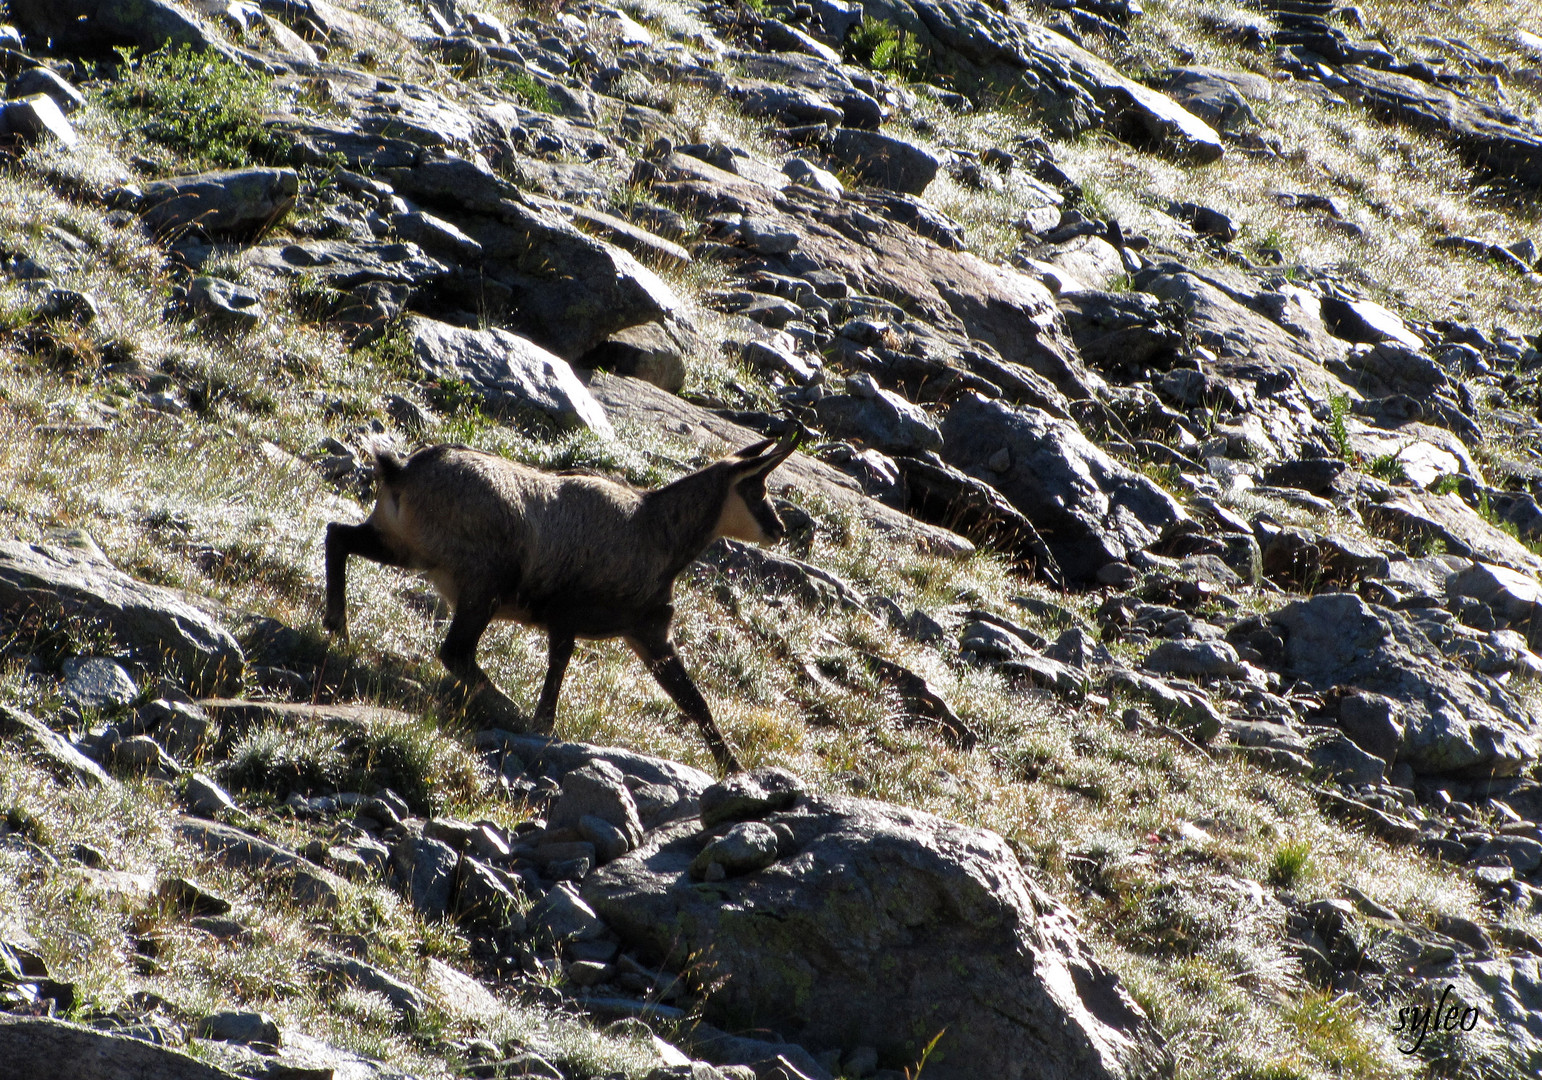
point(51, 749)
point(38, 1048)
point(510, 373)
point(345, 264)
point(307, 882)
point(638, 402)
point(1456, 525)
point(163, 629)
point(882, 926)
point(556, 759)
point(236, 716)
point(1454, 721)
point(300, 1058)
point(955, 295)
point(1492, 138)
point(1137, 113)
point(540, 276)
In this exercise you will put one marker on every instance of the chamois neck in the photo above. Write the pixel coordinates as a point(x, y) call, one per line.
point(683, 516)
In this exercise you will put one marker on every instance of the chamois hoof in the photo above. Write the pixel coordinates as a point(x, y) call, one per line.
point(484, 706)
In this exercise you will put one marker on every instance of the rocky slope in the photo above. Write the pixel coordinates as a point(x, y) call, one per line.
point(1149, 686)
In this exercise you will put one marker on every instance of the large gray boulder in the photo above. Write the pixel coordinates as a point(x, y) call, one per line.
point(510, 373)
point(1454, 721)
point(42, 1049)
point(230, 202)
point(884, 927)
point(97, 26)
point(540, 275)
point(157, 627)
point(885, 161)
point(1089, 509)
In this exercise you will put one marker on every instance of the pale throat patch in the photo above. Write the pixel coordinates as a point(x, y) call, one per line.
point(737, 523)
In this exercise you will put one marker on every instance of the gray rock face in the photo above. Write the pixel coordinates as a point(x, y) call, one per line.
point(239, 1027)
point(542, 277)
point(43, 1049)
point(160, 628)
point(879, 418)
point(884, 161)
point(427, 871)
point(96, 26)
point(562, 915)
point(1089, 509)
point(743, 849)
point(235, 202)
point(225, 303)
point(1454, 721)
point(1494, 138)
point(596, 790)
point(886, 927)
point(306, 882)
point(42, 80)
point(511, 373)
point(1194, 658)
point(406, 999)
point(1219, 97)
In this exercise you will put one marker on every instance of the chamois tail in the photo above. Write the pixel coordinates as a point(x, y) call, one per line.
point(388, 461)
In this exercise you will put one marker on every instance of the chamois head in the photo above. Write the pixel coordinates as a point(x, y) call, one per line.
point(747, 511)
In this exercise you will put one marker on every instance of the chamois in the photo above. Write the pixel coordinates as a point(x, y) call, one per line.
point(578, 556)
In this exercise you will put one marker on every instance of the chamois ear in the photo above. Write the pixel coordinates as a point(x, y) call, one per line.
point(768, 455)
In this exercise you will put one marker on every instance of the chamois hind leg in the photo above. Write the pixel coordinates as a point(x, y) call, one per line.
point(655, 649)
point(559, 650)
point(342, 541)
point(475, 693)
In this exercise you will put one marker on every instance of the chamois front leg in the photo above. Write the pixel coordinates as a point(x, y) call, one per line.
point(559, 650)
point(342, 541)
point(655, 649)
point(475, 693)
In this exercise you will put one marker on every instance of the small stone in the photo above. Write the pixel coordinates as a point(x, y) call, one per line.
point(42, 80)
point(588, 973)
point(240, 1027)
point(37, 116)
point(609, 842)
point(206, 798)
point(560, 915)
point(749, 795)
point(191, 897)
point(745, 848)
point(1117, 575)
point(184, 730)
point(96, 682)
point(597, 789)
point(225, 302)
point(138, 755)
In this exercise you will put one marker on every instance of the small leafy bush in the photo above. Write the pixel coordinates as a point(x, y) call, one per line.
point(882, 46)
point(200, 105)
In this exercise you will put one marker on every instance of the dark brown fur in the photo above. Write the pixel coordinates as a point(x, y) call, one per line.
point(578, 556)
